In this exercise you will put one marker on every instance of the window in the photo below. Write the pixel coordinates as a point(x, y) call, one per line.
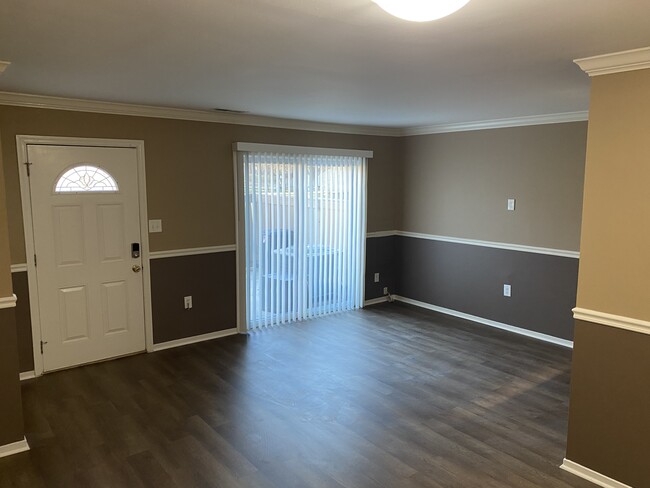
point(304, 232)
point(85, 178)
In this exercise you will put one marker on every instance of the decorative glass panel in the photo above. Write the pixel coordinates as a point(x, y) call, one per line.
point(85, 178)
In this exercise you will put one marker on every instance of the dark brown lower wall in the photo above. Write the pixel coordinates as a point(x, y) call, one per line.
point(609, 412)
point(11, 408)
point(380, 258)
point(23, 322)
point(211, 281)
point(208, 278)
point(470, 279)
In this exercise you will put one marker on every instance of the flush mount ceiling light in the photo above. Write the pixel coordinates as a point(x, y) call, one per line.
point(421, 10)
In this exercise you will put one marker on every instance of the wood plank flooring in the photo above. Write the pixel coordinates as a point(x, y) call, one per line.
point(390, 396)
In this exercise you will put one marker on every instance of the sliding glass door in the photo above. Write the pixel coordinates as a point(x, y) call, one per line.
point(304, 226)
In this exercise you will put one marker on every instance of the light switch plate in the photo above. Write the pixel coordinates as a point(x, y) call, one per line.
point(507, 290)
point(155, 226)
point(511, 204)
point(376, 277)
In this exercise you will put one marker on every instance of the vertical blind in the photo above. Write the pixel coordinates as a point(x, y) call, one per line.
point(304, 230)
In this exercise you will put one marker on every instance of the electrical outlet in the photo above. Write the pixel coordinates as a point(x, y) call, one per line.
point(507, 290)
point(376, 277)
point(187, 301)
point(385, 290)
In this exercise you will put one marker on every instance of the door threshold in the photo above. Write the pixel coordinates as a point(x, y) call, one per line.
point(105, 360)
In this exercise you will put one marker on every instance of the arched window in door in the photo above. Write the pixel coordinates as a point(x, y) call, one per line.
point(86, 178)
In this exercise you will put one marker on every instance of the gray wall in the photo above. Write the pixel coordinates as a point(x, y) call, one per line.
point(457, 185)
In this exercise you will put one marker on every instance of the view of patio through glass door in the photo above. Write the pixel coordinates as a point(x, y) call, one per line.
point(305, 225)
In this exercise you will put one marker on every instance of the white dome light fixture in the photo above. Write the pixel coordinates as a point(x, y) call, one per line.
point(421, 10)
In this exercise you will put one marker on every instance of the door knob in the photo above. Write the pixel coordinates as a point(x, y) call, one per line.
point(136, 268)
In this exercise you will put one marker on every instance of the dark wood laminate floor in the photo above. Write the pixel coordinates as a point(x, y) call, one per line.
point(389, 396)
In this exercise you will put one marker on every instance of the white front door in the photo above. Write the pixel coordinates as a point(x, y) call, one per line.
point(86, 222)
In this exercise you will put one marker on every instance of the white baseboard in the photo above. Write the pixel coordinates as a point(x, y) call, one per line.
point(375, 301)
point(591, 475)
point(14, 448)
point(194, 339)
point(488, 322)
point(27, 375)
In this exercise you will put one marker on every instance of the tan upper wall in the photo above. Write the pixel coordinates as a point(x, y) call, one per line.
point(457, 185)
point(5, 258)
point(615, 263)
point(189, 169)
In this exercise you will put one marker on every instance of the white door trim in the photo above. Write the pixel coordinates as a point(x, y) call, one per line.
point(22, 141)
point(240, 241)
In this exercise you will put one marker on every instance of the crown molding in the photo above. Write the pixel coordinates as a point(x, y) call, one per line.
point(615, 62)
point(4, 65)
point(115, 108)
point(498, 123)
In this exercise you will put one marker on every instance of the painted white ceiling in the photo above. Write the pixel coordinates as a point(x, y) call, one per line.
point(343, 61)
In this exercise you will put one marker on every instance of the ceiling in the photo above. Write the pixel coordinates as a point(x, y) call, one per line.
point(340, 61)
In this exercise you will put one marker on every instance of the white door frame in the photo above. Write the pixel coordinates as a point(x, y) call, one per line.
point(22, 141)
point(240, 242)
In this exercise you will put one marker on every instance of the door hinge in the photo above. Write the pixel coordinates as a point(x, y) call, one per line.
point(28, 164)
point(35, 262)
point(42, 344)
